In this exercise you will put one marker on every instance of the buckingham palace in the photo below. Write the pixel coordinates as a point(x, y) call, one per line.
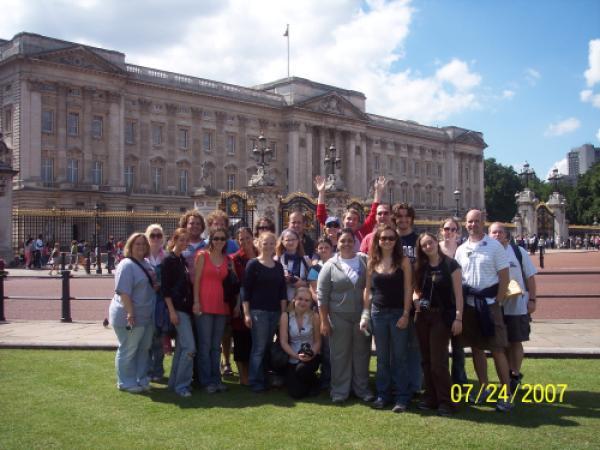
point(87, 128)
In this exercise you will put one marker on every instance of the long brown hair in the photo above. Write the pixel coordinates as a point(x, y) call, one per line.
point(422, 261)
point(375, 253)
point(280, 248)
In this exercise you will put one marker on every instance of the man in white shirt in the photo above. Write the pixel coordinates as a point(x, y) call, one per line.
point(485, 279)
point(516, 309)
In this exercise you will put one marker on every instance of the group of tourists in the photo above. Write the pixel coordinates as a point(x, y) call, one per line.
point(307, 311)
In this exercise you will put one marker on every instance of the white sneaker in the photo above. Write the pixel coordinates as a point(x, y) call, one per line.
point(133, 390)
point(184, 394)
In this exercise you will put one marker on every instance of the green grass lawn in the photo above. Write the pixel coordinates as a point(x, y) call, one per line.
point(68, 399)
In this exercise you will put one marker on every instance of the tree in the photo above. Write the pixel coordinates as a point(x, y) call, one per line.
point(501, 183)
point(586, 198)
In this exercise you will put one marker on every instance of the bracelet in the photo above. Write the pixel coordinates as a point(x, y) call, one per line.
point(458, 320)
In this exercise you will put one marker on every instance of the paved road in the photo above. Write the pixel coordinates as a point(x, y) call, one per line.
point(561, 308)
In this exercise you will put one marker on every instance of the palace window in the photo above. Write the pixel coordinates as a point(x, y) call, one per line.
point(73, 124)
point(428, 168)
point(47, 121)
point(130, 132)
point(7, 120)
point(376, 163)
point(231, 144)
point(404, 166)
point(439, 170)
point(97, 126)
point(156, 179)
point(417, 169)
point(97, 173)
point(48, 171)
point(73, 171)
point(129, 177)
point(183, 181)
point(183, 138)
point(207, 141)
point(273, 147)
point(231, 182)
point(157, 134)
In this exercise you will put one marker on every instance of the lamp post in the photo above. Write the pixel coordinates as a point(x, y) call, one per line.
point(527, 173)
point(262, 154)
point(96, 246)
point(331, 163)
point(555, 179)
point(457, 195)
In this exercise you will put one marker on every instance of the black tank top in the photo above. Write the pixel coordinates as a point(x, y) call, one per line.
point(387, 289)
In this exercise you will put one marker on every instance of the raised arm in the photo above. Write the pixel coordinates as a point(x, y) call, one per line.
point(321, 208)
point(370, 221)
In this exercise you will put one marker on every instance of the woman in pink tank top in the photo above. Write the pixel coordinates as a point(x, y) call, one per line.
point(210, 309)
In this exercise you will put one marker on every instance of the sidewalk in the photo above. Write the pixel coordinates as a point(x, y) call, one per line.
point(549, 338)
point(43, 273)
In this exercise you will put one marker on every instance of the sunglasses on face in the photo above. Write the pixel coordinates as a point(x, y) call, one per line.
point(156, 236)
point(387, 238)
point(332, 225)
point(449, 229)
point(219, 239)
point(263, 227)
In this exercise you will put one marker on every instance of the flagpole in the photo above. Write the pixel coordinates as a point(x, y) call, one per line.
point(287, 35)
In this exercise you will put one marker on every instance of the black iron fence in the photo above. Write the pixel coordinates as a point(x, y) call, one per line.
point(66, 225)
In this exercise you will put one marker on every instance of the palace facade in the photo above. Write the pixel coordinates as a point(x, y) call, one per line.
point(88, 128)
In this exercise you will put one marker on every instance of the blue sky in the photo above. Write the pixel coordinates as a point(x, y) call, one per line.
point(514, 70)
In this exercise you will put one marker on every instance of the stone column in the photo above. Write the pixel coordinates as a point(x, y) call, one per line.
point(6, 195)
point(145, 145)
point(219, 151)
point(30, 138)
point(266, 199)
point(557, 204)
point(85, 123)
point(60, 126)
point(171, 175)
point(364, 177)
point(323, 144)
point(306, 176)
point(196, 148)
point(293, 166)
point(526, 204)
point(241, 150)
point(352, 173)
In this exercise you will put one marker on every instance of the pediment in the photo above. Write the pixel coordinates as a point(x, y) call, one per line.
point(471, 138)
point(333, 103)
point(79, 56)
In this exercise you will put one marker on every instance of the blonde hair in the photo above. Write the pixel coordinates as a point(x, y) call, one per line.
point(292, 306)
point(280, 247)
point(152, 227)
point(264, 235)
point(129, 244)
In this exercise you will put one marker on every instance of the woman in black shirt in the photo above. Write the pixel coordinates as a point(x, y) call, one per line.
point(177, 292)
point(265, 298)
point(387, 298)
point(439, 305)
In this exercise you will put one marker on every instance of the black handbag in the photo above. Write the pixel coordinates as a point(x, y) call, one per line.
point(231, 286)
point(278, 356)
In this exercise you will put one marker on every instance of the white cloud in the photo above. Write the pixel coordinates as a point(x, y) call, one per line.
point(588, 96)
point(562, 166)
point(592, 74)
point(532, 76)
point(598, 134)
point(563, 127)
point(353, 44)
point(508, 94)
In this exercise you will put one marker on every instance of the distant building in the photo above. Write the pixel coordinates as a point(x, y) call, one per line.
point(580, 159)
point(87, 128)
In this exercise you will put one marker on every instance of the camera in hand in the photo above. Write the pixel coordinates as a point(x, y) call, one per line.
point(306, 349)
point(424, 304)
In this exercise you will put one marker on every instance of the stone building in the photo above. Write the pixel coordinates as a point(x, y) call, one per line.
point(87, 128)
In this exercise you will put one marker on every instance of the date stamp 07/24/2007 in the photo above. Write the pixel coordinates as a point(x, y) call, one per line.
point(530, 393)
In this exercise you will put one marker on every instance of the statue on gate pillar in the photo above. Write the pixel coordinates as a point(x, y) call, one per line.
point(6, 175)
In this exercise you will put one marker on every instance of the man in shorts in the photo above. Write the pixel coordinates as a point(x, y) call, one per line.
point(516, 309)
point(485, 279)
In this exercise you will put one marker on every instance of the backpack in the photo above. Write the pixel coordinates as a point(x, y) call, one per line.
point(519, 256)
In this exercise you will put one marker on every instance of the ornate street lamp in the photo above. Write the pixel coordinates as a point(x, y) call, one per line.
point(332, 162)
point(527, 174)
point(457, 195)
point(555, 179)
point(262, 154)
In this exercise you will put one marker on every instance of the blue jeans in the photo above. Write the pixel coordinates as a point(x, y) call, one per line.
point(264, 325)
point(392, 348)
point(156, 356)
point(131, 360)
point(183, 359)
point(210, 328)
